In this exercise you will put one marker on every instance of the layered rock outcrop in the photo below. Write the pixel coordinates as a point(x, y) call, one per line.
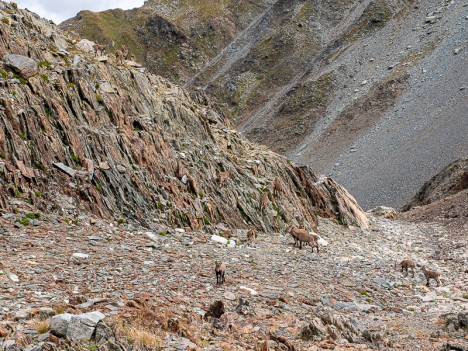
point(88, 136)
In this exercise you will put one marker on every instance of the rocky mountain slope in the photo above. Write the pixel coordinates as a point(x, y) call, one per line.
point(449, 181)
point(80, 135)
point(372, 92)
point(149, 292)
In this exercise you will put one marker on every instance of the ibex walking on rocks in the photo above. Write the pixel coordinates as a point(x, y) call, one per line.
point(431, 275)
point(277, 187)
point(264, 202)
point(222, 177)
point(101, 49)
point(405, 265)
point(302, 235)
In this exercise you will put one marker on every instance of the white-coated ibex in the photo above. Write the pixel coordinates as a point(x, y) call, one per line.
point(405, 265)
point(431, 275)
point(99, 48)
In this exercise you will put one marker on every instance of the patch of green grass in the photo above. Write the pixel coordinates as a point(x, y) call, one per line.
point(364, 292)
point(38, 193)
point(21, 79)
point(45, 64)
point(2, 155)
point(99, 98)
point(24, 221)
point(12, 92)
point(163, 233)
point(68, 221)
point(3, 74)
point(34, 215)
point(6, 20)
point(121, 220)
point(44, 77)
point(98, 187)
point(22, 136)
point(465, 296)
point(368, 300)
point(17, 193)
point(75, 158)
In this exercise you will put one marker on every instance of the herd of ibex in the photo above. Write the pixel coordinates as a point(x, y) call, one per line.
point(120, 55)
point(407, 264)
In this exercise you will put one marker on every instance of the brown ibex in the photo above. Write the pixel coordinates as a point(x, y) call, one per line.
point(277, 187)
point(220, 270)
point(405, 265)
point(193, 186)
point(264, 202)
point(303, 236)
point(99, 48)
point(222, 177)
point(431, 275)
point(121, 55)
point(250, 236)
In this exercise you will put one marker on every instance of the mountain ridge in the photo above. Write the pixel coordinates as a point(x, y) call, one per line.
point(361, 81)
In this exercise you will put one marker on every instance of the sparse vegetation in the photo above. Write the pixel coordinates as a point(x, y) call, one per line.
point(138, 334)
point(121, 220)
point(6, 20)
point(34, 215)
point(41, 325)
point(44, 77)
point(44, 64)
point(99, 98)
point(24, 221)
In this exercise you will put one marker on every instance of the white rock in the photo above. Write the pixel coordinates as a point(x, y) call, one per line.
point(252, 291)
point(13, 277)
point(80, 255)
point(85, 45)
point(219, 239)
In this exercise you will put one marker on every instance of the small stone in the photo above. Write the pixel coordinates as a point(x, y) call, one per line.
point(13, 277)
point(121, 169)
point(229, 296)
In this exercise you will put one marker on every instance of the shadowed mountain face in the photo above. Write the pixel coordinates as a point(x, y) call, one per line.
point(370, 92)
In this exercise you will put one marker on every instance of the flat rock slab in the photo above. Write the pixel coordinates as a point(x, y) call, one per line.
point(23, 65)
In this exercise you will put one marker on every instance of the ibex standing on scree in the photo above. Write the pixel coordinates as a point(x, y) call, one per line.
point(431, 275)
point(250, 236)
point(302, 235)
point(405, 265)
point(220, 270)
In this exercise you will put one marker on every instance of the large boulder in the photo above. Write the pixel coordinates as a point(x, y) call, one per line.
point(22, 65)
point(59, 324)
point(81, 327)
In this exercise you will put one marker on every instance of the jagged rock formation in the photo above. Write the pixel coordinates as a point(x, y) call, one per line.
point(337, 85)
point(450, 181)
point(86, 135)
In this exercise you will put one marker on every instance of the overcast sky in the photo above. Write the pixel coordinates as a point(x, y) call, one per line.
point(60, 10)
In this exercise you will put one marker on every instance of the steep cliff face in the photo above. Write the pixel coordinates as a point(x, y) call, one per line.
point(82, 135)
point(337, 85)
